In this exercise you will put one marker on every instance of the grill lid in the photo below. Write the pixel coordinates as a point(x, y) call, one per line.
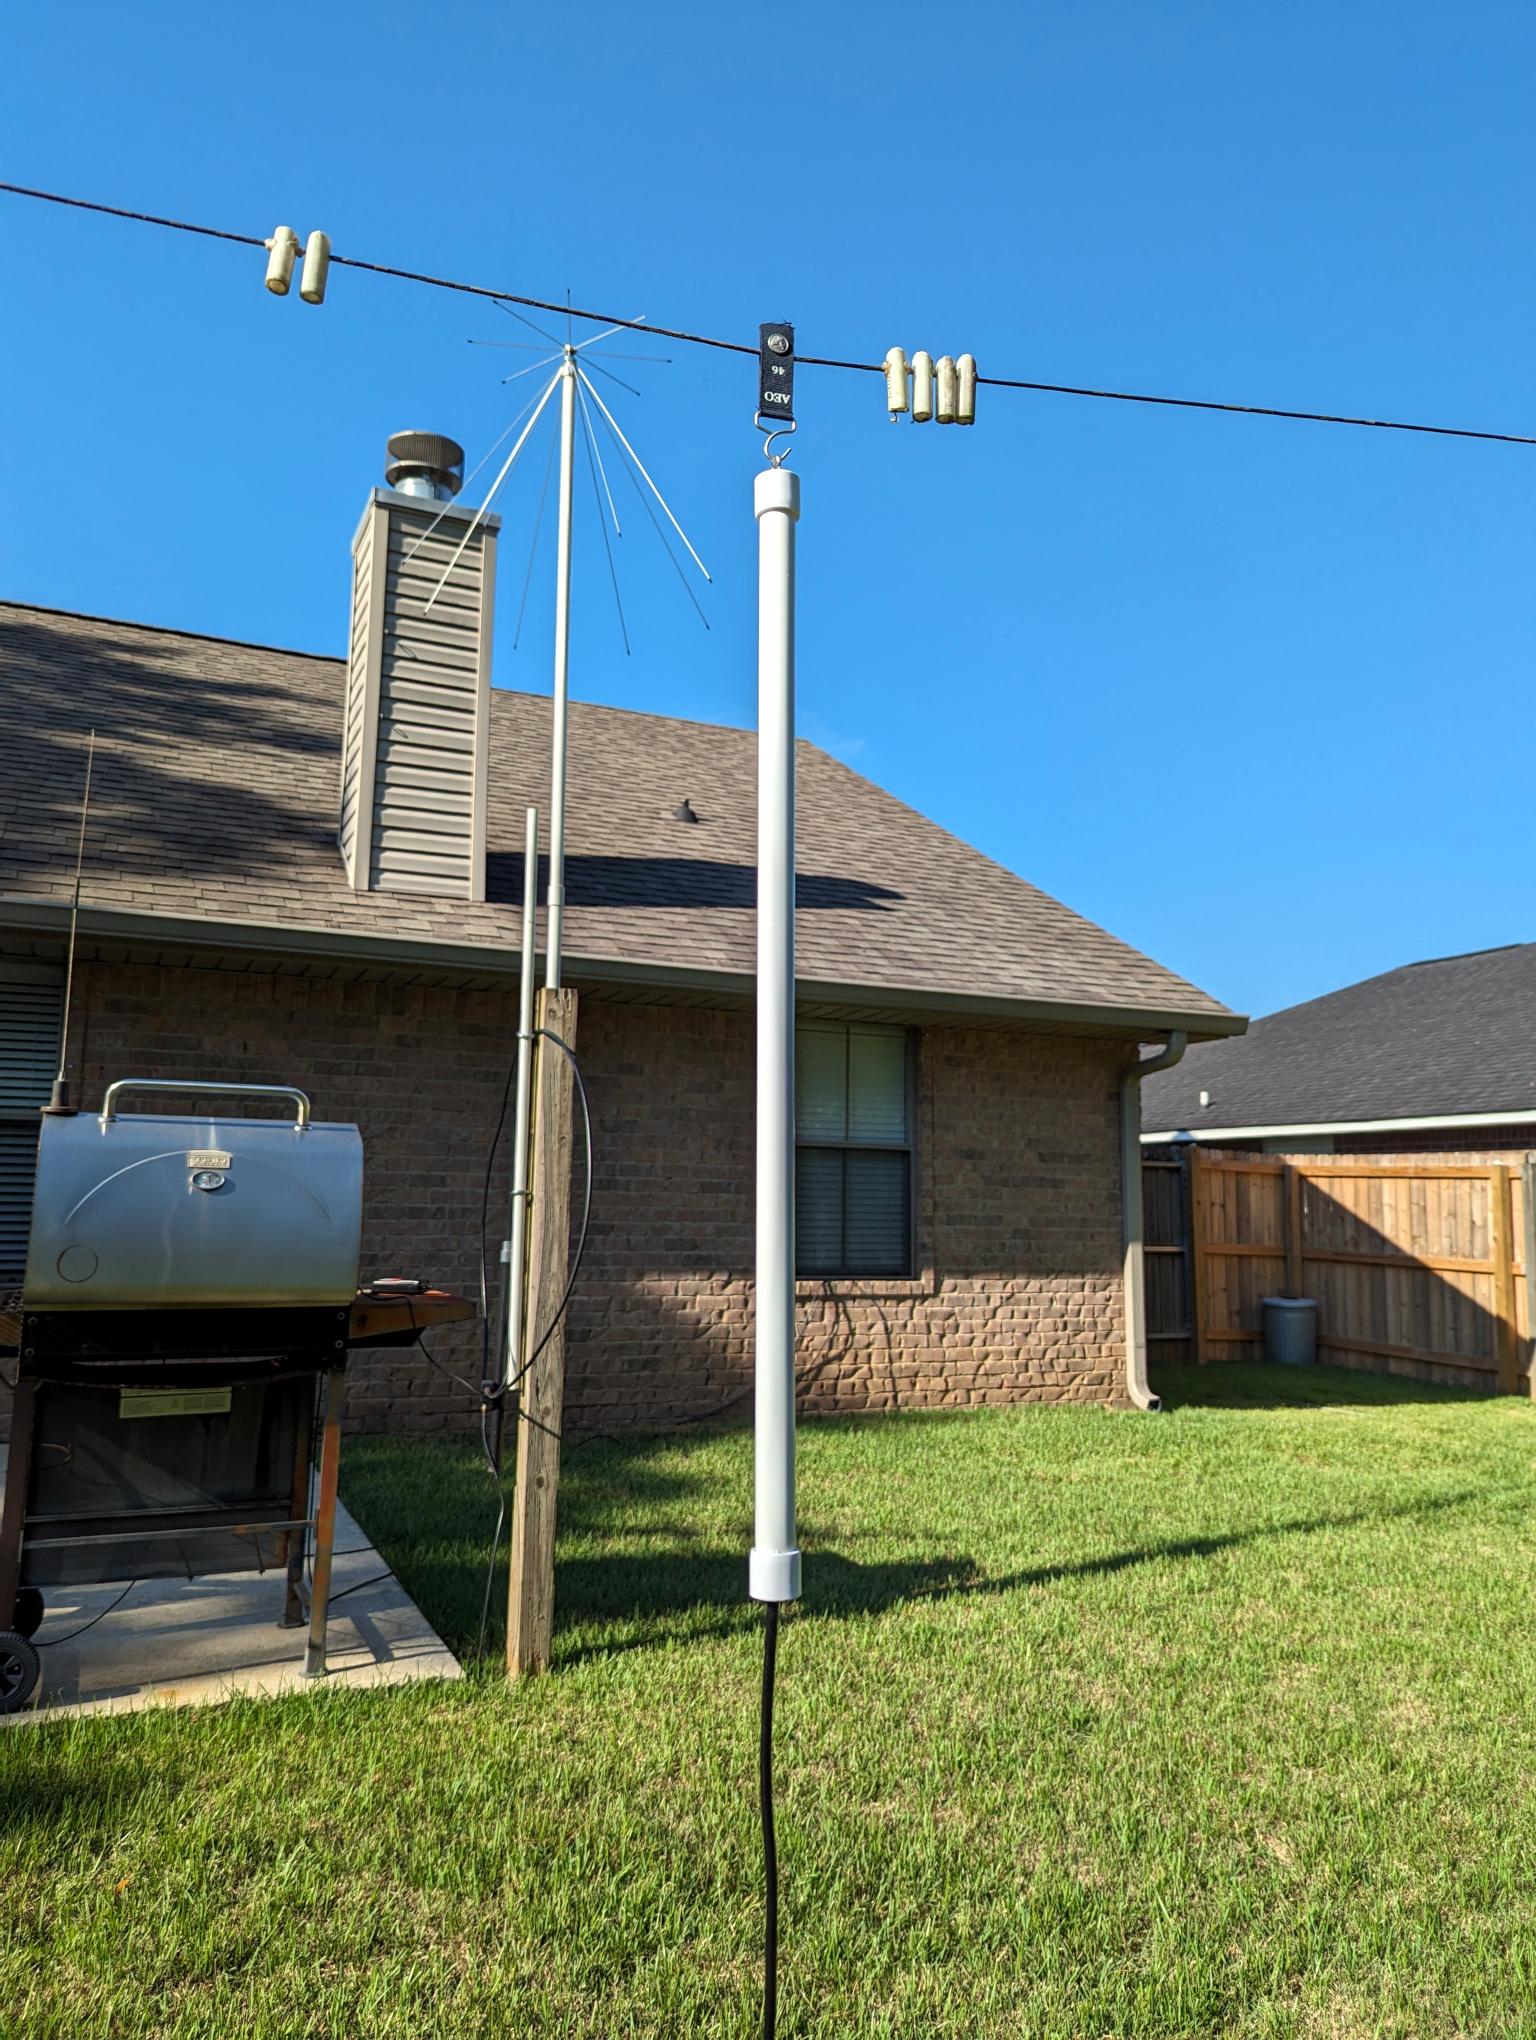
point(164, 1212)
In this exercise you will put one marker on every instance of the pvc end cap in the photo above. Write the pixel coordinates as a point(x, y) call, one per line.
point(776, 488)
point(773, 1575)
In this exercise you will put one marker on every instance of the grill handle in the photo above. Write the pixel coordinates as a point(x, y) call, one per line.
point(185, 1085)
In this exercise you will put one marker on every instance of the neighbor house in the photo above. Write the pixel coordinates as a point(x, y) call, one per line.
point(1432, 1057)
point(306, 870)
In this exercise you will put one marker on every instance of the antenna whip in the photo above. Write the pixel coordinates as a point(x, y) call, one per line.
point(59, 1102)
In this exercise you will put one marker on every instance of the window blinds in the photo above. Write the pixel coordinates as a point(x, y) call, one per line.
point(31, 1003)
point(853, 1165)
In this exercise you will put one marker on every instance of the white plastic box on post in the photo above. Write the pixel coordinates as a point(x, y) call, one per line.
point(773, 1572)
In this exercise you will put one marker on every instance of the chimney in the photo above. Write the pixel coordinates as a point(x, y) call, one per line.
point(416, 731)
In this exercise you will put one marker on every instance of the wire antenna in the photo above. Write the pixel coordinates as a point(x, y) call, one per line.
point(59, 1101)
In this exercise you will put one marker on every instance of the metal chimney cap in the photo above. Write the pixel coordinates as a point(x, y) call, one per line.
point(431, 462)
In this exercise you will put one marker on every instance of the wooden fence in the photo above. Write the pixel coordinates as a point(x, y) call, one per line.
point(1418, 1266)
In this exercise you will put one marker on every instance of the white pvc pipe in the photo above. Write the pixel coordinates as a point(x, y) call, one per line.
point(556, 917)
point(517, 1225)
point(773, 1570)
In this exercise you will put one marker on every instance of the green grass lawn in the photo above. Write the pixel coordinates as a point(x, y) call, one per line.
point(1220, 1722)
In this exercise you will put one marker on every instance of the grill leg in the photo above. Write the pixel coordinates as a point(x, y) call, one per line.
point(325, 1524)
point(18, 1473)
point(296, 1600)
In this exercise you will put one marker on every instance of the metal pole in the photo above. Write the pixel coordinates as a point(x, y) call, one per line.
point(556, 894)
point(517, 1221)
point(773, 1572)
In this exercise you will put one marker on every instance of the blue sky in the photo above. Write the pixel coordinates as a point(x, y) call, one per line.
point(1252, 694)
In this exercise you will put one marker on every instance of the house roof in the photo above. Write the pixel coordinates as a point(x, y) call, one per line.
point(1439, 1039)
point(214, 809)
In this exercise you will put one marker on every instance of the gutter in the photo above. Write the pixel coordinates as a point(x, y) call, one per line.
point(1137, 1388)
point(1436, 1122)
point(493, 960)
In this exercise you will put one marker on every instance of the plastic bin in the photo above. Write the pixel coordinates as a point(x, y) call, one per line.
point(1290, 1330)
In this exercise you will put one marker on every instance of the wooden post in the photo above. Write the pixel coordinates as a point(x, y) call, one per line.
point(1293, 1221)
point(1502, 1254)
point(541, 1394)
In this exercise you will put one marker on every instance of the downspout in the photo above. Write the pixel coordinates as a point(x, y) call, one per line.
point(1137, 1388)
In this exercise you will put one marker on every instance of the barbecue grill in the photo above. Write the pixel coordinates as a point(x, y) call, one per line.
point(189, 1302)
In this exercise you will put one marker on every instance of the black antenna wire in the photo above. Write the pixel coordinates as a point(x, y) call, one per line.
point(765, 1808)
point(509, 298)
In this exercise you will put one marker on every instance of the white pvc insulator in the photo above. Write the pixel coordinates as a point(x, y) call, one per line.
point(896, 381)
point(283, 247)
point(773, 1569)
point(922, 387)
point(949, 390)
point(317, 267)
point(555, 925)
point(965, 407)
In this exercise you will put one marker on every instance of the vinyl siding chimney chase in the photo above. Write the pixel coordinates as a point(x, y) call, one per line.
point(416, 731)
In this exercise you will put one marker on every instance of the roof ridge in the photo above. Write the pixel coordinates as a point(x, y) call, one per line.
point(687, 722)
point(1461, 956)
point(169, 630)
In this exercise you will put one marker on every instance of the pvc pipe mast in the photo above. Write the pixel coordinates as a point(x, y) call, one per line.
point(517, 1222)
point(1137, 1387)
point(556, 896)
point(773, 1570)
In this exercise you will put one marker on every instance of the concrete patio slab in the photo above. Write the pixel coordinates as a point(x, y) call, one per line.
point(186, 1643)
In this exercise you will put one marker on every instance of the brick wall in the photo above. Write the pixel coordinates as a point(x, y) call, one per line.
point(1017, 1294)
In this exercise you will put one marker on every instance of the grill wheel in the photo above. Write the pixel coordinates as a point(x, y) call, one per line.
point(20, 1668)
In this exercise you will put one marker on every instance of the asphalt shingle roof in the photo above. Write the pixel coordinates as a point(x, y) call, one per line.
point(1448, 1036)
point(216, 794)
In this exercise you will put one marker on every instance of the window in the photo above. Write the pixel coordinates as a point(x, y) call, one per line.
point(853, 1155)
point(31, 997)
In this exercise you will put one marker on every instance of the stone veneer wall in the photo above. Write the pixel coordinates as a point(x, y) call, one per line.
point(1017, 1295)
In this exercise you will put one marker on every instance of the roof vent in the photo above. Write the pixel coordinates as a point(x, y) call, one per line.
point(424, 464)
point(684, 813)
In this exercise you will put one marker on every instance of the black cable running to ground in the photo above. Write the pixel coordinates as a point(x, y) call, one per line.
point(49, 1642)
point(480, 290)
point(512, 1384)
point(765, 1808)
point(377, 1580)
point(586, 1207)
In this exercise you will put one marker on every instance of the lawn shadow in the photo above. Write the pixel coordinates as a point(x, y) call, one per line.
point(1207, 1547)
point(38, 1796)
point(662, 1584)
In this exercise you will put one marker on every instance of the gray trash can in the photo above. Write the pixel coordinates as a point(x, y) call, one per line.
point(1290, 1330)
